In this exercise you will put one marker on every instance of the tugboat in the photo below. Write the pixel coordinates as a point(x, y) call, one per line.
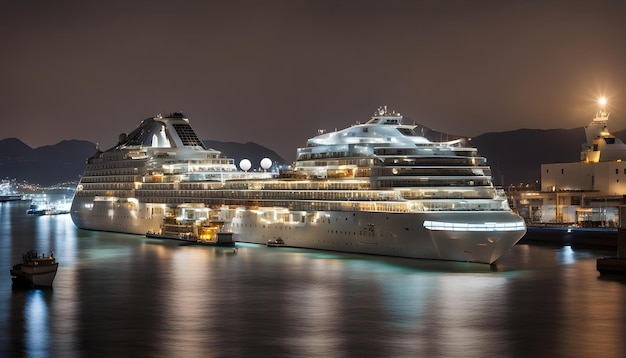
point(212, 231)
point(35, 270)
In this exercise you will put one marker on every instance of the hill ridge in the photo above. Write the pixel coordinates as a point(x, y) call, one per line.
point(515, 157)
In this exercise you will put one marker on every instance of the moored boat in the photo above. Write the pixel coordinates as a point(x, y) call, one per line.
point(8, 191)
point(39, 209)
point(221, 238)
point(211, 232)
point(35, 270)
point(278, 242)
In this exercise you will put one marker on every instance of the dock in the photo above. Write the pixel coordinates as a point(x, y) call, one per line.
point(577, 237)
point(617, 264)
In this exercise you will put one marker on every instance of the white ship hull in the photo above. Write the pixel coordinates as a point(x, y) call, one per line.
point(91, 214)
point(379, 233)
point(389, 234)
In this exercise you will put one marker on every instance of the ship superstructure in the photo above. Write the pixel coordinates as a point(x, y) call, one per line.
point(375, 188)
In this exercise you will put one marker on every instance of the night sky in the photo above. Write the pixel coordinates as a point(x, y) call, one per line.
point(274, 72)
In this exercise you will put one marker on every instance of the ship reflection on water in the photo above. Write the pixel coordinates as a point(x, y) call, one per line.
point(123, 295)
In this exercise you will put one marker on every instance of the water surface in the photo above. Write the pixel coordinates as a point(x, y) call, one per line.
point(125, 295)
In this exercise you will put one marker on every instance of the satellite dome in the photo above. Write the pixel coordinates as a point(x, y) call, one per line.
point(245, 165)
point(266, 163)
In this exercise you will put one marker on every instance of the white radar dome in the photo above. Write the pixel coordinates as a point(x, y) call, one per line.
point(245, 165)
point(266, 163)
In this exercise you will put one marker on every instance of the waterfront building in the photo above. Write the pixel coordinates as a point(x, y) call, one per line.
point(586, 193)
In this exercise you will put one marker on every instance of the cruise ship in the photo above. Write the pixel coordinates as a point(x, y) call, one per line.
point(378, 187)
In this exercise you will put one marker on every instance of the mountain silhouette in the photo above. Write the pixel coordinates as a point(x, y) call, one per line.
point(47, 165)
point(65, 161)
point(251, 151)
point(515, 156)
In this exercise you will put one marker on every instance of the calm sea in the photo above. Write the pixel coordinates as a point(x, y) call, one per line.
point(124, 295)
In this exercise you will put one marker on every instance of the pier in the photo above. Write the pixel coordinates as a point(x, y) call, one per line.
point(613, 265)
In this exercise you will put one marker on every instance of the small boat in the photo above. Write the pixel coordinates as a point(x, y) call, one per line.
point(4, 198)
point(278, 242)
point(220, 238)
point(39, 209)
point(8, 191)
point(35, 270)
